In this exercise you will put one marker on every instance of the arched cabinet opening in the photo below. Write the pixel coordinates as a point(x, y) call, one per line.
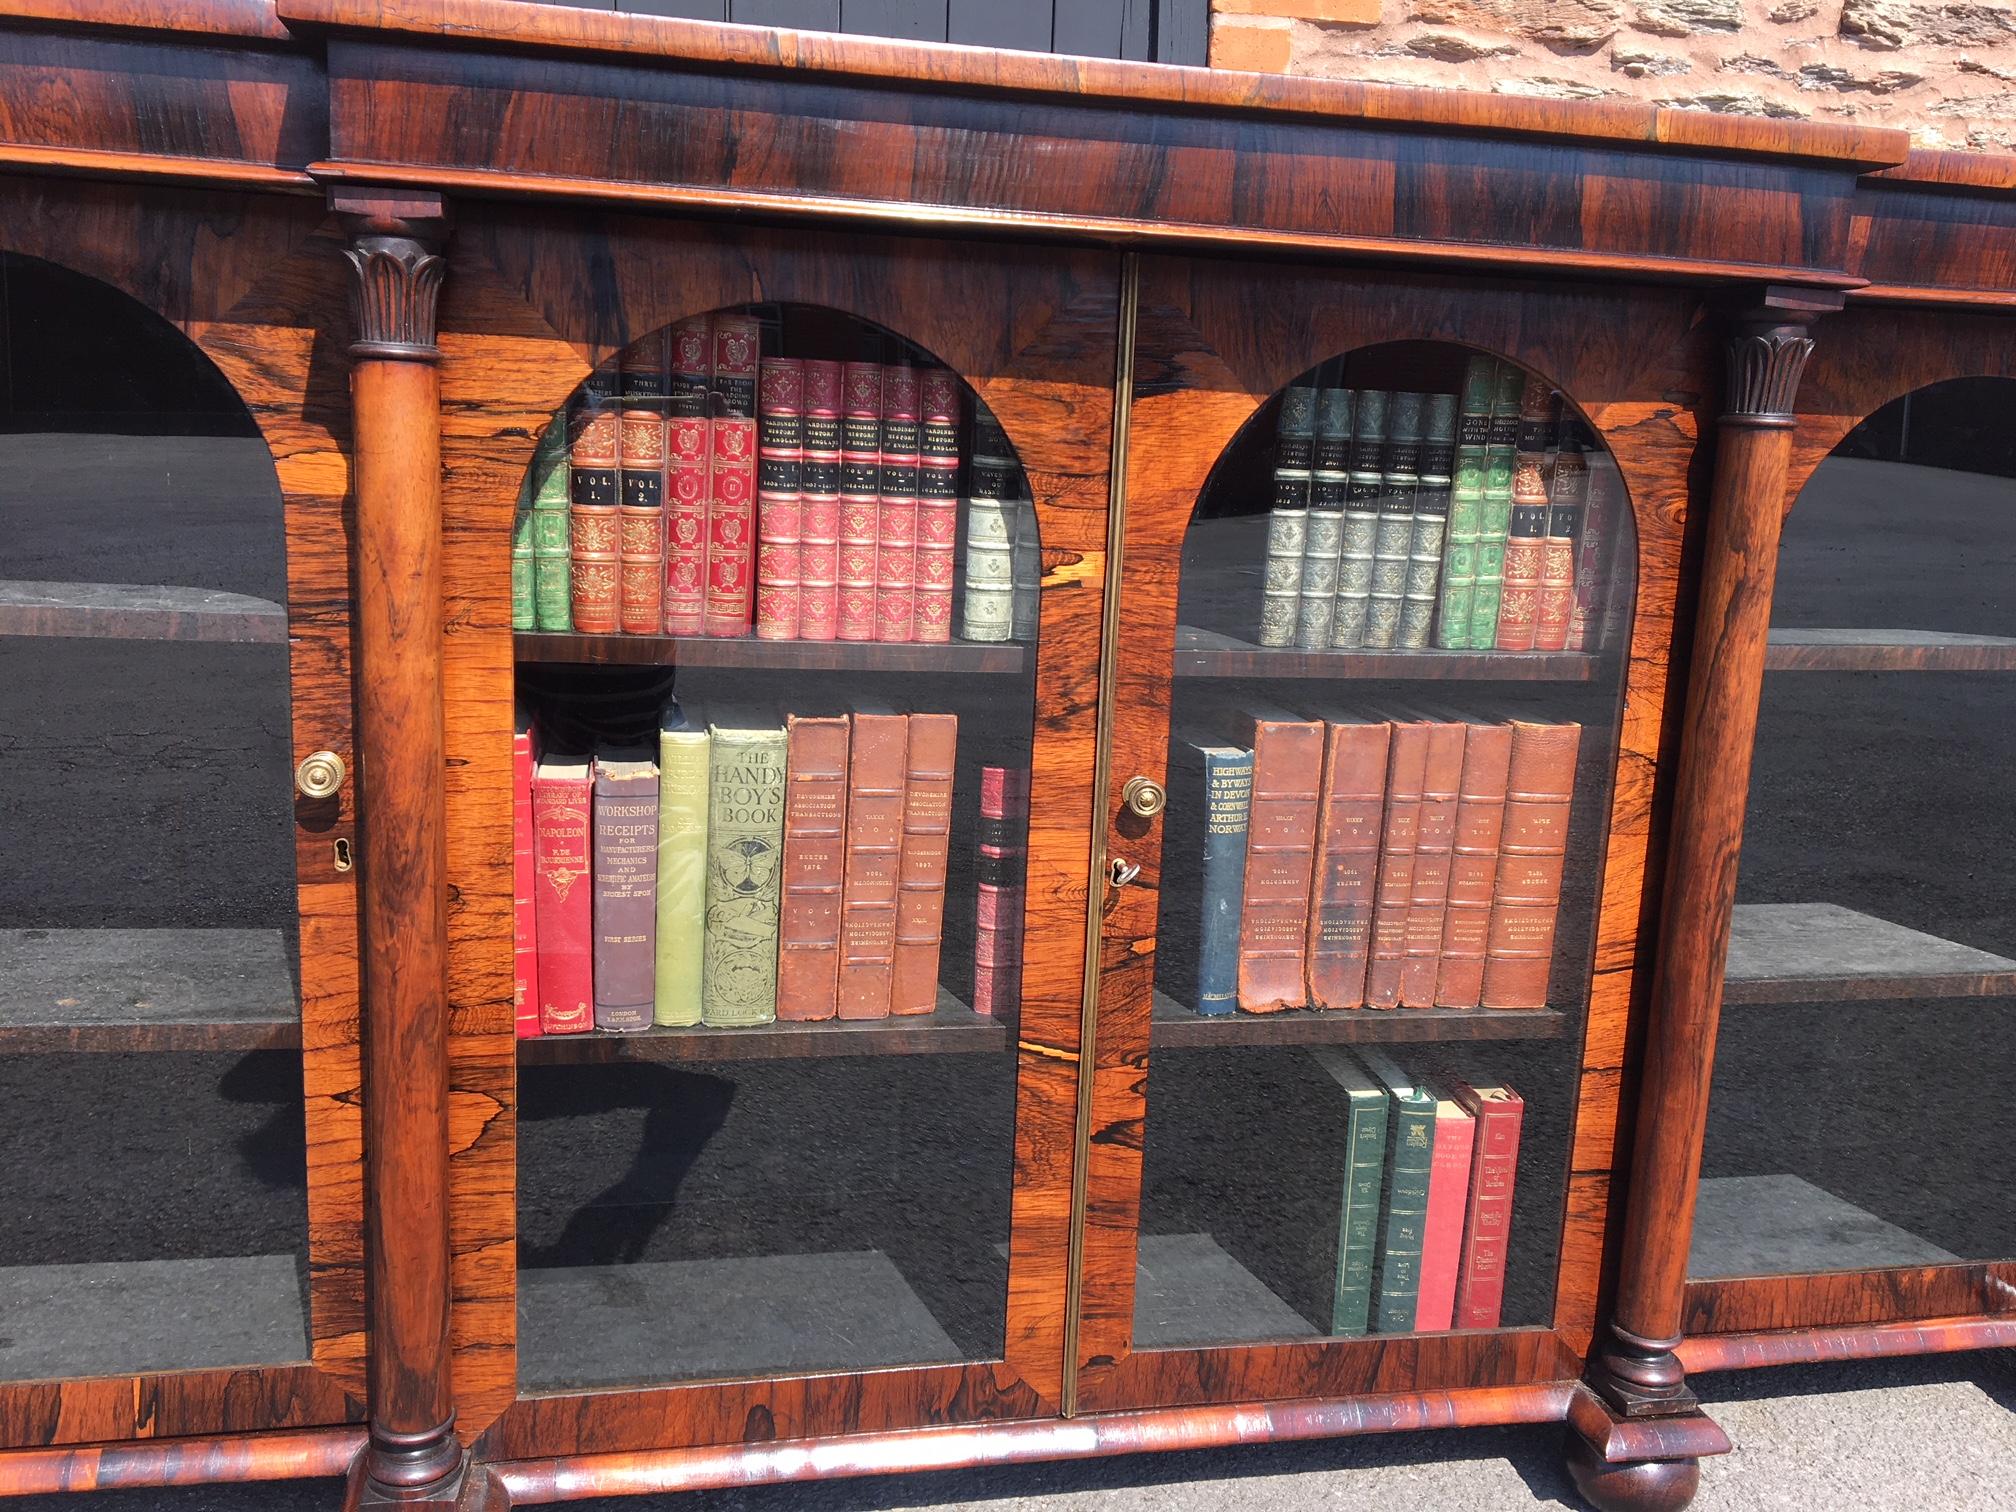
point(1403, 618)
point(775, 616)
point(1861, 1066)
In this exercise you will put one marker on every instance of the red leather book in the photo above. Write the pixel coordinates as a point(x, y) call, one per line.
point(688, 445)
point(1406, 771)
point(1434, 840)
point(562, 894)
point(997, 938)
point(737, 341)
point(524, 922)
point(860, 499)
point(641, 481)
point(876, 761)
point(594, 531)
point(692, 358)
point(819, 515)
point(1473, 865)
point(731, 527)
point(626, 890)
point(1519, 606)
point(1448, 1196)
point(1351, 812)
point(815, 866)
point(1487, 1225)
point(779, 518)
point(1280, 857)
point(927, 840)
point(780, 468)
point(895, 568)
point(1526, 901)
point(937, 534)
point(1567, 502)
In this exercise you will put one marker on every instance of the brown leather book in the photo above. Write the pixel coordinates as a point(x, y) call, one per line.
point(1406, 771)
point(1280, 855)
point(875, 766)
point(1532, 850)
point(927, 841)
point(1473, 865)
point(1350, 815)
point(1434, 840)
point(815, 866)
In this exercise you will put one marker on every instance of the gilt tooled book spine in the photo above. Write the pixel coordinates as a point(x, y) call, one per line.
point(626, 891)
point(692, 362)
point(524, 919)
point(737, 354)
point(683, 750)
point(1366, 1116)
point(1226, 780)
point(860, 498)
point(1410, 1155)
point(815, 866)
point(1600, 524)
point(641, 451)
point(1287, 522)
point(819, 512)
point(997, 937)
point(1466, 505)
point(524, 616)
point(731, 526)
point(1406, 771)
point(988, 610)
point(1359, 546)
point(552, 590)
point(1431, 521)
point(927, 839)
point(1349, 821)
point(1532, 850)
point(745, 842)
point(1473, 865)
point(896, 511)
point(779, 523)
point(595, 534)
point(1487, 1225)
point(1434, 842)
point(1323, 532)
point(1519, 598)
point(1442, 1230)
point(563, 892)
point(876, 762)
point(689, 446)
point(1393, 539)
point(1495, 516)
point(1567, 499)
point(937, 503)
point(1280, 856)
point(780, 476)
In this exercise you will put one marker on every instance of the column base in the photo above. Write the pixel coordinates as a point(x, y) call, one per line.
point(383, 1479)
point(1641, 1377)
point(1622, 1464)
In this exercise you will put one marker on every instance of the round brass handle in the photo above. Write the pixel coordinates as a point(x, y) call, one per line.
point(319, 774)
point(1145, 796)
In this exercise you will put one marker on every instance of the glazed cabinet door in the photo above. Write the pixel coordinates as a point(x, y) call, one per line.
point(788, 549)
point(1398, 581)
point(178, 1023)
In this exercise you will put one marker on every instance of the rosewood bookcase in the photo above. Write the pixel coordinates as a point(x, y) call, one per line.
point(407, 233)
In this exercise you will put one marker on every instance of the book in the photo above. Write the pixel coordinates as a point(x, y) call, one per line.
point(1473, 865)
point(641, 485)
point(1366, 1115)
point(1027, 558)
point(1526, 529)
point(1434, 842)
point(1495, 510)
point(683, 761)
point(1431, 521)
point(1458, 593)
point(987, 612)
point(877, 759)
point(896, 509)
point(692, 367)
point(860, 497)
point(997, 940)
point(937, 503)
point(815, 865)
point(731, 525)
point(1393, 540)
point(737, 351)
point(819, 510)
point(1280, 856)
point(524, 921)
point(778, 517)
point(595, 556)
point(1602, 519)
point(927, 840)
point(1410, 1154)
point(745, 841)
point(1567, 502)
point(1487, 1224)
point(780, 470)
point(1323, 529)
point(1406, 772)
point(562, 894)
point(1351, 813)
point(1211, 792)
point(552, 587)
point(1287, 521)
point(1359, 546)
point(1532, 850)
point(524, 616)
point(1442, 1229)
point(626, 889)
point(689, 447)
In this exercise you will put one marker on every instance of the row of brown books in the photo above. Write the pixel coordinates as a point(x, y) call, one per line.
point(1373, 862)
point(751, 870)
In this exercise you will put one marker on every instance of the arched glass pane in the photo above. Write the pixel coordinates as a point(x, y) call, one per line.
point(1405, 599)
point(777, 669)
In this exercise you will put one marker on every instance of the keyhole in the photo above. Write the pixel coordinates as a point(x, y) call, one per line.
point(343, 862)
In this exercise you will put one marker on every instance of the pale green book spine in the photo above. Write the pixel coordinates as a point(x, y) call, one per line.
point(1358, 1220)
point(1496, 517)
point(682, 875)
point(745, 846)
point(1466, 505)
point(552, 585)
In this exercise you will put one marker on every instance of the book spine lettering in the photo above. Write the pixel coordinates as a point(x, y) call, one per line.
point(1358, 1222)
point(1410, 1158)
point(1487, 1226)
point(927, 838)
point(1442, 1230)
point(641, 470)
point(819, 517)
point(562, 893)
point(1288, 522)
point(626, 893)
point(524, 920)
point(1228, 798)
point(1532, 851)
point(1280, 855)
point(688, 447)
point(815, 866)
point(860, 498)
point(875, 771)
point(1347, 863)
point(595, 533)
point(780, 471)
point(745, 833)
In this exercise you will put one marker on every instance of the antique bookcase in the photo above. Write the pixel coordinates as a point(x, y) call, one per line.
point(420, 238)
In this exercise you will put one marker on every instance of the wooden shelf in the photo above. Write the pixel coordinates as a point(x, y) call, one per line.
point(747, 651)
point(115, 990)
point(954, 1029)
point(1175, 1027)
point(1888, 651)
point(1823, 953)
point(1206, 653)
point(132, 611)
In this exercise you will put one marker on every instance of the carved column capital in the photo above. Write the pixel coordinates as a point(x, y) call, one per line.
point(1768, 343)
point(394, 252)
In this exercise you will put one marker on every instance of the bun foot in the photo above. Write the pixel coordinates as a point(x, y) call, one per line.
point(1631, 1485)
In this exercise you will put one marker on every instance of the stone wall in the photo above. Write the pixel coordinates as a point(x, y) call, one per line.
point(1945, 71)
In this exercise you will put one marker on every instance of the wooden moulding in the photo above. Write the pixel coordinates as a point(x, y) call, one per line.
point(312, 1453)
point(749, 651)
point(1818, 1346)
point(1850, 1300)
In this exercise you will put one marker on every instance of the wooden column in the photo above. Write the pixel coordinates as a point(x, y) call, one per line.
point(412, 1457)
point(1635, 1442)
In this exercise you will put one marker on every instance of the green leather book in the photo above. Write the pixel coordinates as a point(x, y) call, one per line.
point(1410, 1152)
point(1364, 1171)
point(1494, 519)
point(745, 851)
point(682, 868)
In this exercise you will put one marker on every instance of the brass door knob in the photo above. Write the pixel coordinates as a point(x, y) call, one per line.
point(1145, 796)
point(319, 774)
